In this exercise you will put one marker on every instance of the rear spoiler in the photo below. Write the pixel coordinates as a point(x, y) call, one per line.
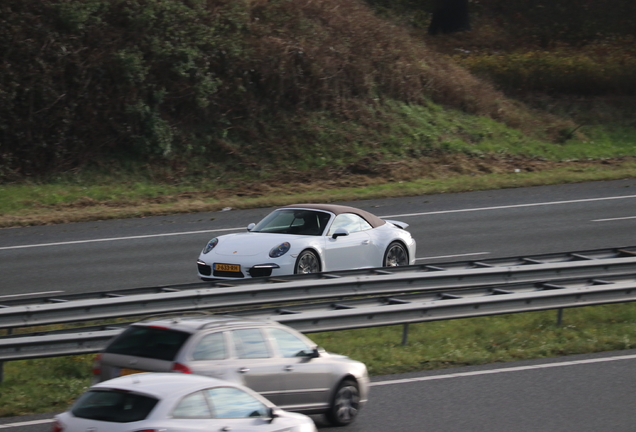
point(398, 224)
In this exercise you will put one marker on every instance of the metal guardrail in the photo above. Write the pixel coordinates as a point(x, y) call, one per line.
point(451, 294)
point(563, 257)
point(460, 308)
point(384, 283)
point(371, 312)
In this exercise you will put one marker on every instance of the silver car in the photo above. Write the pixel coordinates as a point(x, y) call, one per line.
point(278, 362)
point(153, 402)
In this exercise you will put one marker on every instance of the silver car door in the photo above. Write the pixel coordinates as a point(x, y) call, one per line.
point(254, 364)
point(211, 356)
point(307, 379)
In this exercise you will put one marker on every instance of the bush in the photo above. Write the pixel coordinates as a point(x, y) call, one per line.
point(174, 80)
point(87, 78)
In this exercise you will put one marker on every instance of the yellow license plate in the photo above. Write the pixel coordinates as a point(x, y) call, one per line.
point(227, 267)
point(126, 371)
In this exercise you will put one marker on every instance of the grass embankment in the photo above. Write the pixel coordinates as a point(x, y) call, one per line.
point(425, 150)
point(50, 385)
point(61, 202)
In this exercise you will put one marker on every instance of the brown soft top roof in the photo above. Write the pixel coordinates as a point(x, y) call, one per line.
point(373, 220)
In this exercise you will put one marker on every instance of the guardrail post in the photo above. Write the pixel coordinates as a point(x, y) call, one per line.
point(559, 317)
point(405, 334)
point(9, 332)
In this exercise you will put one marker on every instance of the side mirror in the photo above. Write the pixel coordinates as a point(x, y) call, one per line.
point(272, 413)
point(309, 354)
point(251, 226)
point(340, 232)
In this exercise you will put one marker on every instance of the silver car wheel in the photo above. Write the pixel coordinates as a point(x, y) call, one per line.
point(396, 255)
point(307, 262)
point(345, 405)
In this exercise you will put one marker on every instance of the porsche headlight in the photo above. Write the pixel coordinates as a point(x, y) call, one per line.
point(211, 244)
point(279, 250)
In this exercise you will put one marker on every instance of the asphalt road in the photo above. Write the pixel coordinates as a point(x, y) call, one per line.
point(117, 254)
point(585, 393)
point(573, 396)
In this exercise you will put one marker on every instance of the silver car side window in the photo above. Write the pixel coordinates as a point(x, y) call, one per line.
point(194, 405)
point(289, 345)
point(229, 402)
point(210, 347)
point(249, 343)
point(350, 222)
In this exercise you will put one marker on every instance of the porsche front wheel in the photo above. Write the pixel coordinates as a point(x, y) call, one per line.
point(396, 255)
point(307, 262)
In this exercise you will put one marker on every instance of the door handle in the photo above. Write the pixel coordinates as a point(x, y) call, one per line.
point(226, 428)
point(366, 242)
point(289, 368)
point(244, 370)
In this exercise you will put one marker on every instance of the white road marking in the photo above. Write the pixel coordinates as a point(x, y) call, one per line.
point(26, 423)
point(384, 217)
point(452, 256)
point(511, 206)
point(503, 370)
point(120, 238)
point(31, 294)
point(614, 219)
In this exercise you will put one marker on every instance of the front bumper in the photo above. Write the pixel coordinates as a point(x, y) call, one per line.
point(207, 272)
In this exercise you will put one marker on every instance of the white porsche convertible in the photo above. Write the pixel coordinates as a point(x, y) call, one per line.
point(308, 238)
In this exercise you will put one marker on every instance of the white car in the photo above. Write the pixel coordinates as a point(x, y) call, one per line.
point(308, 238)
point(168, 402)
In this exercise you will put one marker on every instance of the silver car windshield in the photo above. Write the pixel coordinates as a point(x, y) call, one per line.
point(294, 221)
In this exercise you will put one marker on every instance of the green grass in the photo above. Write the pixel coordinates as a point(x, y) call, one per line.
point(59, 203)
point(50, 385)
point(484, 340)
point(420, 150)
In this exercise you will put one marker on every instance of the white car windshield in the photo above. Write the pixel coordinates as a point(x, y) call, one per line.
point(294, 221)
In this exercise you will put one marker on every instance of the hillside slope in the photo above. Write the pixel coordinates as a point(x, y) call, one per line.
point(232, 87)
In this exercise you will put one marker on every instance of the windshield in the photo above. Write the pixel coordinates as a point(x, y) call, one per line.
point(290, 221)
point(113, 406)
point(150, 342)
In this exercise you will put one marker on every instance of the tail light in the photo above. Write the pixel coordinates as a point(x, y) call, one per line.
point(178, 367)
point(97, 370)
point(57, 426)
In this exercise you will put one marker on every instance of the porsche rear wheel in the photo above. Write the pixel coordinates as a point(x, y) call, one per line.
point(307, 262)
point(396, 255)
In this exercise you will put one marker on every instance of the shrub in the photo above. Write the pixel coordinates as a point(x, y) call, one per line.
point(170, 80)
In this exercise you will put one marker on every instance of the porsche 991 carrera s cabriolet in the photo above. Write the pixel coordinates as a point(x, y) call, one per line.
point(308, 238)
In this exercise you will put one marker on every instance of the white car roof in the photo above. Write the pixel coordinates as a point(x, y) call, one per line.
point(160, 385)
